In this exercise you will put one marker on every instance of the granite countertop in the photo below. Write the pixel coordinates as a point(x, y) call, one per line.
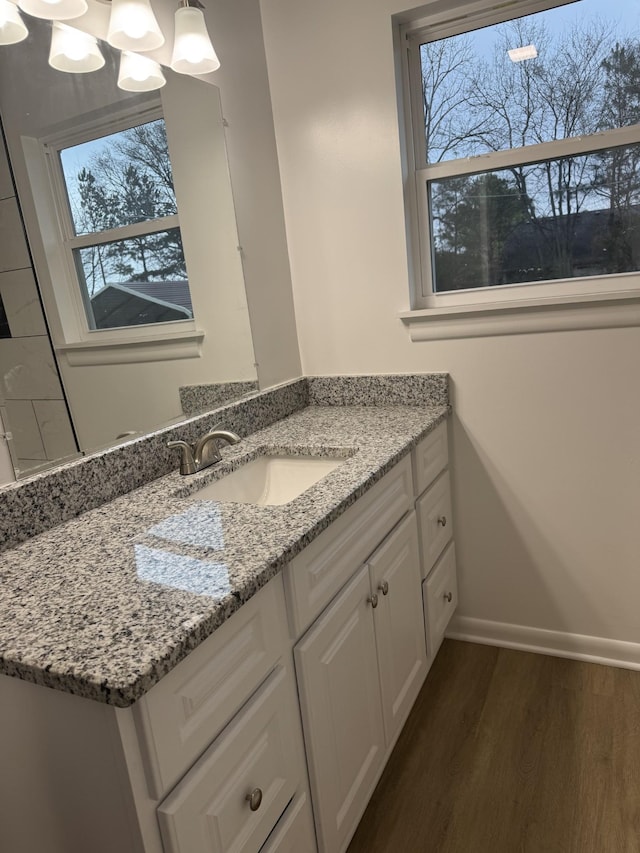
point(106, 604)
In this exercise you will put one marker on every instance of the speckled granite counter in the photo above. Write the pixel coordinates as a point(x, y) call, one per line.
point(106, 604)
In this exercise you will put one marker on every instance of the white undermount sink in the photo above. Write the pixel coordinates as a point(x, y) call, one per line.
point(269, 480)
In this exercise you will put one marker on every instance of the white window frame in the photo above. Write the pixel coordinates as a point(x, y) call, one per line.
point(81, 344)
point(588, 302)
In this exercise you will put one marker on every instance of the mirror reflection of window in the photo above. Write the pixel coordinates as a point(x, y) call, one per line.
point(122, 227)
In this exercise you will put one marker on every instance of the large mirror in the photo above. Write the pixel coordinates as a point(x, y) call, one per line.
point(128, 309)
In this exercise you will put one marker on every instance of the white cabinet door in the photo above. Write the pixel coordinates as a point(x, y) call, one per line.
point(337, 670)
point(399, 624)
point(317, 574)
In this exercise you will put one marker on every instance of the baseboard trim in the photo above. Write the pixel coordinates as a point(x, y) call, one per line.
point(556, 643)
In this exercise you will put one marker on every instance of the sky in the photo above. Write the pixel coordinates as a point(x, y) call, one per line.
point(623, 14)
point(620, 19)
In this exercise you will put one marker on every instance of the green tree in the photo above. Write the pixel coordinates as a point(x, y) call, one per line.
point(475, 217)
point(96, 213)
point(131, 182)
point(616, 172)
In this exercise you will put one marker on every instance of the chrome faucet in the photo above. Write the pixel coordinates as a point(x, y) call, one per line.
point(193, 455)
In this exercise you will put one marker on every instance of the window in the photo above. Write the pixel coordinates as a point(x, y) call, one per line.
point(525, 154)
point(119, 225)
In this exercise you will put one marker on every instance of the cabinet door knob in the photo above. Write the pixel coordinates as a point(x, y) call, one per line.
point(373, 600)
point(442, 519)
point(384, 587)
point(448, 596)
point(254, 799)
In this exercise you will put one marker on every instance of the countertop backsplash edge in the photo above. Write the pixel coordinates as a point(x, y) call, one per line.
point(34, 505)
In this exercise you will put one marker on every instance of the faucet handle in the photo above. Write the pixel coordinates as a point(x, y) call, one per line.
point(187, 462)
point(211, 440)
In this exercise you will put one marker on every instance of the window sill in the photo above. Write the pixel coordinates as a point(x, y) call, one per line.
point(133, 350)
point(525, 317)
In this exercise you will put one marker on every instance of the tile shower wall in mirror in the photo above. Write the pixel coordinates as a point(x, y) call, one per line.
point(135, 384)
point(34, 410)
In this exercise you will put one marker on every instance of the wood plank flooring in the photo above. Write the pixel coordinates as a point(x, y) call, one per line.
point(510, 752)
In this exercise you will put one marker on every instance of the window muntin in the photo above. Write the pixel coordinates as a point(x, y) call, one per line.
point(541, 145)
point(120, 227)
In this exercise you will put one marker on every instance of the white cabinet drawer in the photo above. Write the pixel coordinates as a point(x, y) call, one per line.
point(209, 811)
point(440, 592)
point(322, 569)
point(430, 457)
point(294, 832)
point(434, 519)
point(183, 713)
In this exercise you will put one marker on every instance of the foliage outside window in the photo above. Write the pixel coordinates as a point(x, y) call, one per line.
point(527, 169)
point(121, 229)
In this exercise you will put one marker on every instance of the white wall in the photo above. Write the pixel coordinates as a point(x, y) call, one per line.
point(236, 29)
point(546, 432)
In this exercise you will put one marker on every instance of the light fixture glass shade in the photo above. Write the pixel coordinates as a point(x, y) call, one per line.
point(12, 28)
point(54, 10)
point(139, 74)
point(73, 50)
point(133, 26)
point(193, 52)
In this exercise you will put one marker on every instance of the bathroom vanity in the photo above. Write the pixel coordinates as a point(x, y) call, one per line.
point(229, 677)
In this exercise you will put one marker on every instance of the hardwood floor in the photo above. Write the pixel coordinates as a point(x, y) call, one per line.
point(510, 752)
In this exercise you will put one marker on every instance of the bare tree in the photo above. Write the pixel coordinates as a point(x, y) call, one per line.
point(144, 147)
point(555, 96)
point(447, 69)
point(147, 146)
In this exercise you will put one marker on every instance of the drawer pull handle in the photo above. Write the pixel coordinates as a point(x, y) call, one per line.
point(254, 799)
point(442, 519)
point(373, 600)
point(448, 596)
point(384, 587)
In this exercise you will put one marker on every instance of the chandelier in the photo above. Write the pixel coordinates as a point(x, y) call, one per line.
point(133, 30)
